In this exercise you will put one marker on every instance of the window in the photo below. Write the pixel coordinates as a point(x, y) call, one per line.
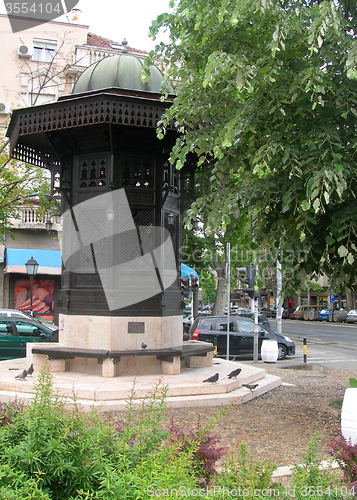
point(5, 327)
point(44, 50)
point(26, 329)
point(245, 326)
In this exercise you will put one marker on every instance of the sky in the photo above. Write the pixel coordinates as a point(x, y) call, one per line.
point(118, 19)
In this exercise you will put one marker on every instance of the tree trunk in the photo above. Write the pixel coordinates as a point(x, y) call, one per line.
point(221, 291)
point(349, 305)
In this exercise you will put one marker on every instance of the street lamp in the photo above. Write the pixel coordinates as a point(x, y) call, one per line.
point(48, 223)
point(31, 268)
point(171, 219)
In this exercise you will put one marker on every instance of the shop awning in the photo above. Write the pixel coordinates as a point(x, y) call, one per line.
point(187, 271)
point(49, 260)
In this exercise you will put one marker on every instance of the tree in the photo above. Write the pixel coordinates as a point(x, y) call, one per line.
point(267, 95)
point(19, 184)
point(206, 251)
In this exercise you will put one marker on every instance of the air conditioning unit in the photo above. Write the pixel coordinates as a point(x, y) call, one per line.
point(24, 50)
point(5, 108)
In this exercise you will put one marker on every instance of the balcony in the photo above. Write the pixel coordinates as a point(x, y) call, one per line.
point(30, 217)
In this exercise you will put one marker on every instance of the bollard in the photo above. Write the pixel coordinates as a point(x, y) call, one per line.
point(305, 350)
point(215, 346)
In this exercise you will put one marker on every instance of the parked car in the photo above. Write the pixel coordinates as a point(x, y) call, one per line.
point(261, 317)
point(214, 329)
point(351, 316)
point(187, 319)
point(15, 332)
point(14, 313)
point(268, 312)
point(273, 312)
point(238, 310)
point(288, 312)
point(324, 314)
point(306, 312)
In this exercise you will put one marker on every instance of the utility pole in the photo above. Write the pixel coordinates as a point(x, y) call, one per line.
point(250, 273)
point(228, 277)
point(279, 287)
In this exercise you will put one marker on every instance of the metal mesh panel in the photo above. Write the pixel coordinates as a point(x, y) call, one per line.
point(129, 250)
point(92, 224)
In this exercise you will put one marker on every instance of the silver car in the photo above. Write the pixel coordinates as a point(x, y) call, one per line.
point(351, 316)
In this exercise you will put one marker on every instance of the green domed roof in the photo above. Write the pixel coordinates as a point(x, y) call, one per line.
point(120, 71)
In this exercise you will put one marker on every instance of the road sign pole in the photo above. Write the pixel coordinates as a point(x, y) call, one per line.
point(228, 276)
point(279, 286)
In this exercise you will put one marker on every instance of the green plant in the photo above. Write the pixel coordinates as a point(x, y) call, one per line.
point(65, 454)
point(353, 382)
point(345, 453)
point(15, 485)
point(310, 481)
point(48, 452)
point(8, 411)
point(64, 450)
point(201, 445)
point(243, 474)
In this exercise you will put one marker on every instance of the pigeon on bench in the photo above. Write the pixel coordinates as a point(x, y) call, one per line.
point(235, 373)
point(214, 378)
point(143, 346)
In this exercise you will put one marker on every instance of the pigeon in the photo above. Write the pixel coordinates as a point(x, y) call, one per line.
point(235, 373)
point(22, 375)
point(143, 346)
point(250, 386)
point(214, 378)
point(30, 370)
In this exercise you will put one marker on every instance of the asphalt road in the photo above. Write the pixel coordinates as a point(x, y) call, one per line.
point(329, 345)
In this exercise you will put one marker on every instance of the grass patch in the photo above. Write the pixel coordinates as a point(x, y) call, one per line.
point(337, 404)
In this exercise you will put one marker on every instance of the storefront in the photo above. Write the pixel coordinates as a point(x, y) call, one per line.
point(46, 284)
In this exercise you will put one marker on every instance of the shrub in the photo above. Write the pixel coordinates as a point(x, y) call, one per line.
point(67, 455)
point(242, 473)
point(310, 481)
point(50, 453)
point(201, 445)
point(65, 451)
point(9, 411)
point(16, 486)
point(345, 453)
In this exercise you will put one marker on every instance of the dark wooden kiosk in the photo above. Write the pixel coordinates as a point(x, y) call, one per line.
point(100, 139)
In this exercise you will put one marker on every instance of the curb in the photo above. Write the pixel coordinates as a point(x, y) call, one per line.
point(287, 471)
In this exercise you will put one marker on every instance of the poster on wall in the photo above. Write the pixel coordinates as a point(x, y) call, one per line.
point(42, 297)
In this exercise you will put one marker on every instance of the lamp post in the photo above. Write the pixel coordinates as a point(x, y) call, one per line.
point(31, 268)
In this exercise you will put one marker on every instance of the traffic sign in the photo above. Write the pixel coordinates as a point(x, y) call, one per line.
point(332, 297)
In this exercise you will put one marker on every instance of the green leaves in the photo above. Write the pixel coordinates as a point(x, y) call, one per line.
point(353, 382)
point(19, 183)
point(269, 106)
